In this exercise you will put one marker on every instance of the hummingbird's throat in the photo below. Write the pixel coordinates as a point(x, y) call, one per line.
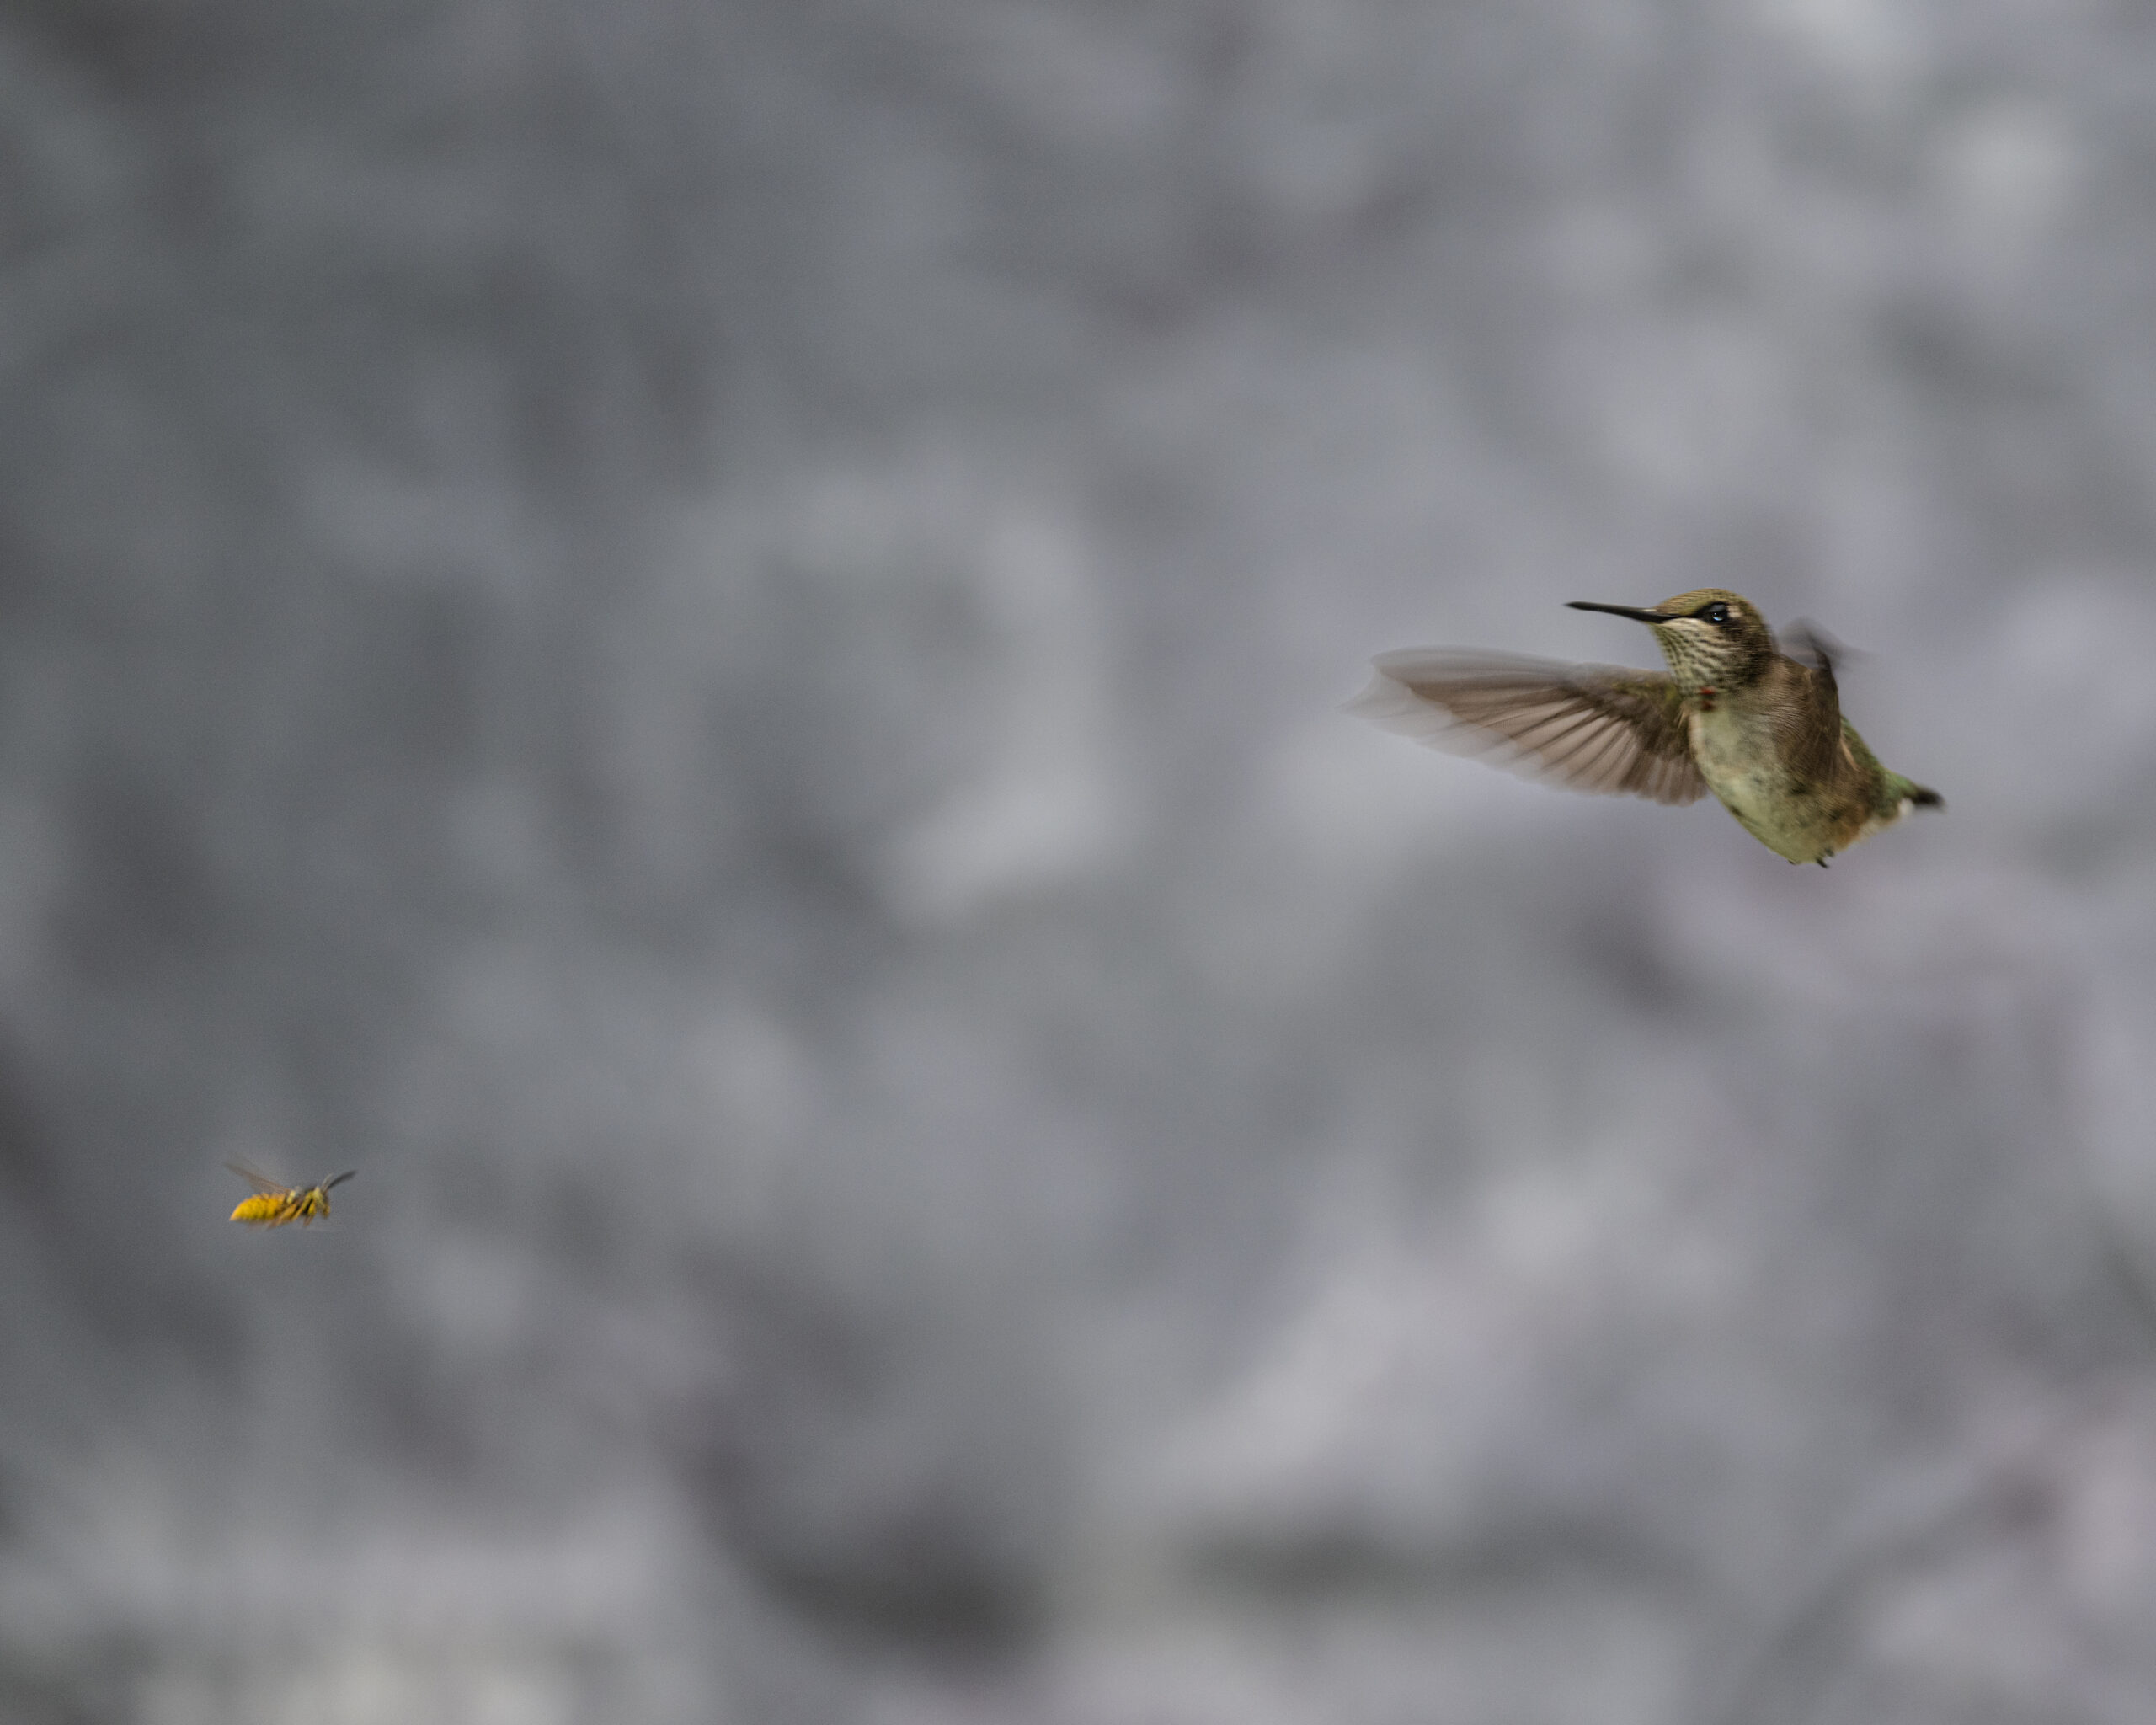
point(1696, 668)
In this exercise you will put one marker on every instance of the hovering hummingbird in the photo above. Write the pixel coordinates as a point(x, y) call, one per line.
point(1734, 715)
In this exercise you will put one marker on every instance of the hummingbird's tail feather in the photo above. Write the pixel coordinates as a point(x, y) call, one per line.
point(1904, 793)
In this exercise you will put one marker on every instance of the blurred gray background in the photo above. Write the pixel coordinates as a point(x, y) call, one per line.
point(707, 639)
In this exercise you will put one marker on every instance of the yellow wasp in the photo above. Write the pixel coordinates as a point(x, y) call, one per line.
point(274, 1203)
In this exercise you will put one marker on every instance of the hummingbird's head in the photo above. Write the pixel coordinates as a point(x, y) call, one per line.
point(1712, 638)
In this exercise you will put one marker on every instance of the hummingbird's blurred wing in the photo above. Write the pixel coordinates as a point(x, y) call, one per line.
point(1808, 724)
point(1605, 728)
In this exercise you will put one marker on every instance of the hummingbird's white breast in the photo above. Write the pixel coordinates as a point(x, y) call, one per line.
point(1733, 746)
point(1735, 751)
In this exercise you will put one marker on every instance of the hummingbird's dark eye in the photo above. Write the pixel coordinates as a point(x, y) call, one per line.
point(1716, 613)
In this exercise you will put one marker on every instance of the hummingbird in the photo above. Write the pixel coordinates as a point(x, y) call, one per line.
point(1734, 714)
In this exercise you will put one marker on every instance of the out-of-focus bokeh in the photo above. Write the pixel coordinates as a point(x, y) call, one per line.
point(708, 640)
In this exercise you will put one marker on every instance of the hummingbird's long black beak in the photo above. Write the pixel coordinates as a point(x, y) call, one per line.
point(1633, 611)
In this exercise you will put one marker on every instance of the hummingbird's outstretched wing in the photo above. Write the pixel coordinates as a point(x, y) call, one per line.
point(1605, 728)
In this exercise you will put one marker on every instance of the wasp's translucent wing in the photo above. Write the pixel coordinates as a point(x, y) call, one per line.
point(260, 1181)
